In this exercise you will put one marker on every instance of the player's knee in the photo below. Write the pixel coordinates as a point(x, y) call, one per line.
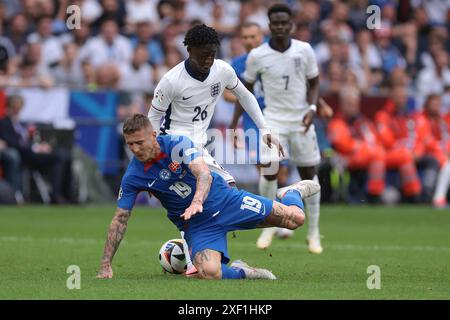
point(209, 270)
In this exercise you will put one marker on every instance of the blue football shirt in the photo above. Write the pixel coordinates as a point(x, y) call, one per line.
point(170, 180)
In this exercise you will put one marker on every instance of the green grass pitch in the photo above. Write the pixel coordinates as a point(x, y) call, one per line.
point(410, 245)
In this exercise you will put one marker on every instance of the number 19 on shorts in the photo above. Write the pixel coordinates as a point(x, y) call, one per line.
point(251, 204)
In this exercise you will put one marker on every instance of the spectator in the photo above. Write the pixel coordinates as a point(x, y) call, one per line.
point(322, 49)
point(364, 54)
point(57, 12)
point(303, 32)
point(138, 11)
point(78, 36)
point(111, 10)
point(254, 11)
point(11, 165)
point(29, 76)
point(435, 80)
point(17, 30)
point(36, 155)
point(8, 56)
point(52, 50)
point(399, 139)
point(108, 47)
point(355, 139)
point(107, 77)
point(338, 20)
point(357, 16)
point(389, 54)
point(91, 10)
point(308, 22)
point(222, 21)
point(332, 77)
point(145, 36)
point(173, 57)
point(437, 144)
point(437, 10)
point(68, 72)
point(435, 43)
point(200, 10)
point(137, 77)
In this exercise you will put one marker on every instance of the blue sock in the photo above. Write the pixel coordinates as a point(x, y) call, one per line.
point(293, 198)
point(232, 273)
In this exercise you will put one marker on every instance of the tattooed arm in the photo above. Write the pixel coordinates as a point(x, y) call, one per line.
point(115, 235)
point(201, 171)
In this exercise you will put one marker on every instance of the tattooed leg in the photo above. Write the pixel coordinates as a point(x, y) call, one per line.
point(289, 217)
point(208, 264)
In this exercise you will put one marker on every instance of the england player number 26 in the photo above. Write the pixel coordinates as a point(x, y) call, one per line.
point(200, 114)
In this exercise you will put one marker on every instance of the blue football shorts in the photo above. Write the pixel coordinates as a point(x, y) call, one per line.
point(242, 211)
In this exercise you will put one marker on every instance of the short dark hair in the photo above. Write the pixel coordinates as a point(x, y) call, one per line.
point(279, 7)
point(200, 35)
point(135, 123)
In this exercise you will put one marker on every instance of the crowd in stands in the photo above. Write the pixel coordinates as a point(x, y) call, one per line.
point(128, 45)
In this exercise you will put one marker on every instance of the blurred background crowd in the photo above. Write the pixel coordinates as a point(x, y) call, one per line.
point(389, 87)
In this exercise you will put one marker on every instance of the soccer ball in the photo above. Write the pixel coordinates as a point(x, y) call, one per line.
point(172, 257)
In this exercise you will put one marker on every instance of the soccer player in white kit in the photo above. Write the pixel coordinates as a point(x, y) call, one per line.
point(290, 80)
point(187, 94)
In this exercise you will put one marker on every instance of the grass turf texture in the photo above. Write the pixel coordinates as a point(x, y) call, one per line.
point(411, 245)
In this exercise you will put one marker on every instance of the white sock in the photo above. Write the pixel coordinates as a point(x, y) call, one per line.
point(442, 182)
point(313, 211)
point(186, 252)
point(268, 188)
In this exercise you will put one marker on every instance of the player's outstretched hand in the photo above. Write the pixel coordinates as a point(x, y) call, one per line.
point(105, 272)
point(308, 120)
point(269, 140)
point(193, 209)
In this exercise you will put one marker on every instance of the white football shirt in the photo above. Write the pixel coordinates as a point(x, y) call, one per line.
point(189, 103)
point(284, 77)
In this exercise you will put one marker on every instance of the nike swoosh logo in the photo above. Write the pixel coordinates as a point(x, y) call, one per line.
point(151, 184)
point(215, 214)
point(186, 98)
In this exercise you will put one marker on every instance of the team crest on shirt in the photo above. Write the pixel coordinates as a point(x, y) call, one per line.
point(175, 167)
point(215, 89)
point(164, 174)
point(159, 95)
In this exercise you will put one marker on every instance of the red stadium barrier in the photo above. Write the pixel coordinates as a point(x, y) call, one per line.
point(2, 104)
point(369, 105)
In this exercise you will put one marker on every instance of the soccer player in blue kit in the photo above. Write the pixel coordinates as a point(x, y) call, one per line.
point(198, 201)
